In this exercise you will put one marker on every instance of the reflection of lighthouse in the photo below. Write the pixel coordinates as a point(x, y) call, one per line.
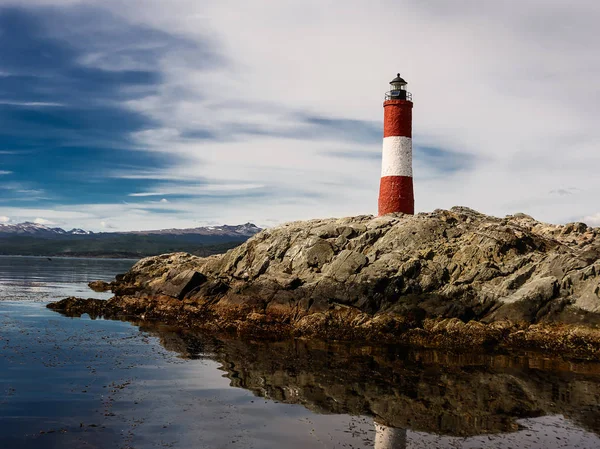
point(396, 185)
point(389, 437)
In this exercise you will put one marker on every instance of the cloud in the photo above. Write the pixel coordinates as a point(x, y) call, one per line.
point(174, 188)
point(564, 192)
point(592, 220)
point(4, 219)
point(434, 161)
point(165, 101)
point(305, 126)
point(31, 104)
point(43, 221)
point(444, 160)
point(63, 100)
point(480, 121)
point(5, 172)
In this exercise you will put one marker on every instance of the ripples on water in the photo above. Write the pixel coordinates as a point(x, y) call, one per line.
point(46, 279)
point(78, 383)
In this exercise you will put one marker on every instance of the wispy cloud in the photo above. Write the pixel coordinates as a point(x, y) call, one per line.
point(5, 172)
point(373, 155)
point(225, 189)
point(63, 113)
point(43, 221)
point(444, 160)
point(564, 191)
point(32, 104)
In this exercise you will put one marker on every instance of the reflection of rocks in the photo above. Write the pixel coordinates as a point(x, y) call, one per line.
point(443, 279)
point(426, 391)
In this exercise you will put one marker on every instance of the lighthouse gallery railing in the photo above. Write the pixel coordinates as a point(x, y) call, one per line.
point(398, 95)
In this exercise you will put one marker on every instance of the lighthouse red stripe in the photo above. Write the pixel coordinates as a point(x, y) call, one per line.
point(396, 195)
point(397, 118)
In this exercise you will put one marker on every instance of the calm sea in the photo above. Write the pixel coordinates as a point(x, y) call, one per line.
point(82, 383)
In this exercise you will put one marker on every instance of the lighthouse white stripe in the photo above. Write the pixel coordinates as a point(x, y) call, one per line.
point(397, 156)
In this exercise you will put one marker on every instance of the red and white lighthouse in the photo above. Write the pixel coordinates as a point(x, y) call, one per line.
point(396, 187)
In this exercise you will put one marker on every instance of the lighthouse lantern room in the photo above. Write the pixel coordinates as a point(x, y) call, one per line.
point(398, 90)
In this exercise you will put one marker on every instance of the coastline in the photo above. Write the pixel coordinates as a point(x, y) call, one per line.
point(450, 334)
point(62, 256)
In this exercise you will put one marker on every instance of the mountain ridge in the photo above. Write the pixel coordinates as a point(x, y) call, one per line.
point(34, 239)
point(39, 230)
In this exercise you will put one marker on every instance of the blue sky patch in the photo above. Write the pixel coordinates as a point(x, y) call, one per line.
point(64, 127)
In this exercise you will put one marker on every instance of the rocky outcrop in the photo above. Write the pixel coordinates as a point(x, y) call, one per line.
point(422, 278)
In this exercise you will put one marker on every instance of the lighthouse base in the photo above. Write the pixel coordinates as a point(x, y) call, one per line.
point(396, 195)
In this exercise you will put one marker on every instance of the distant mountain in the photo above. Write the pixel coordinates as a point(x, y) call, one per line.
point(37, 230)
point(37, 239)
point(245, 230)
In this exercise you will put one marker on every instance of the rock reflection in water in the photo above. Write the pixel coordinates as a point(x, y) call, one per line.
point(426, 391)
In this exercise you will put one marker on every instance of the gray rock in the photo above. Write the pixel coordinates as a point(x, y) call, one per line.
point(345, 265)
point(454, 263)
point(319, 254)
point(177, 285)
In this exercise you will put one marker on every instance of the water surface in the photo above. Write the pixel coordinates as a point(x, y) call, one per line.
point(49, 278)
point(82, 383)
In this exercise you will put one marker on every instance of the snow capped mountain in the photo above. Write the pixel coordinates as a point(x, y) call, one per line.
point(244, 230)
point(76, 231)
point(34, 230)
point(39, 230)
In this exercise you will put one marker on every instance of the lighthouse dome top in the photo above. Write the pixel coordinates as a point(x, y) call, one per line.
point(398, 81)
point(398, 90)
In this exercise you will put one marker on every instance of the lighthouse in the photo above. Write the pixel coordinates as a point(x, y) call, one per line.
point(396, 186)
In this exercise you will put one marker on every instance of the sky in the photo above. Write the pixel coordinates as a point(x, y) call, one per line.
point(146, 114)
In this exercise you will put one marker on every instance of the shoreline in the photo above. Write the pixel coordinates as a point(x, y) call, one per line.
point(347, 326)
point(24, 256)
